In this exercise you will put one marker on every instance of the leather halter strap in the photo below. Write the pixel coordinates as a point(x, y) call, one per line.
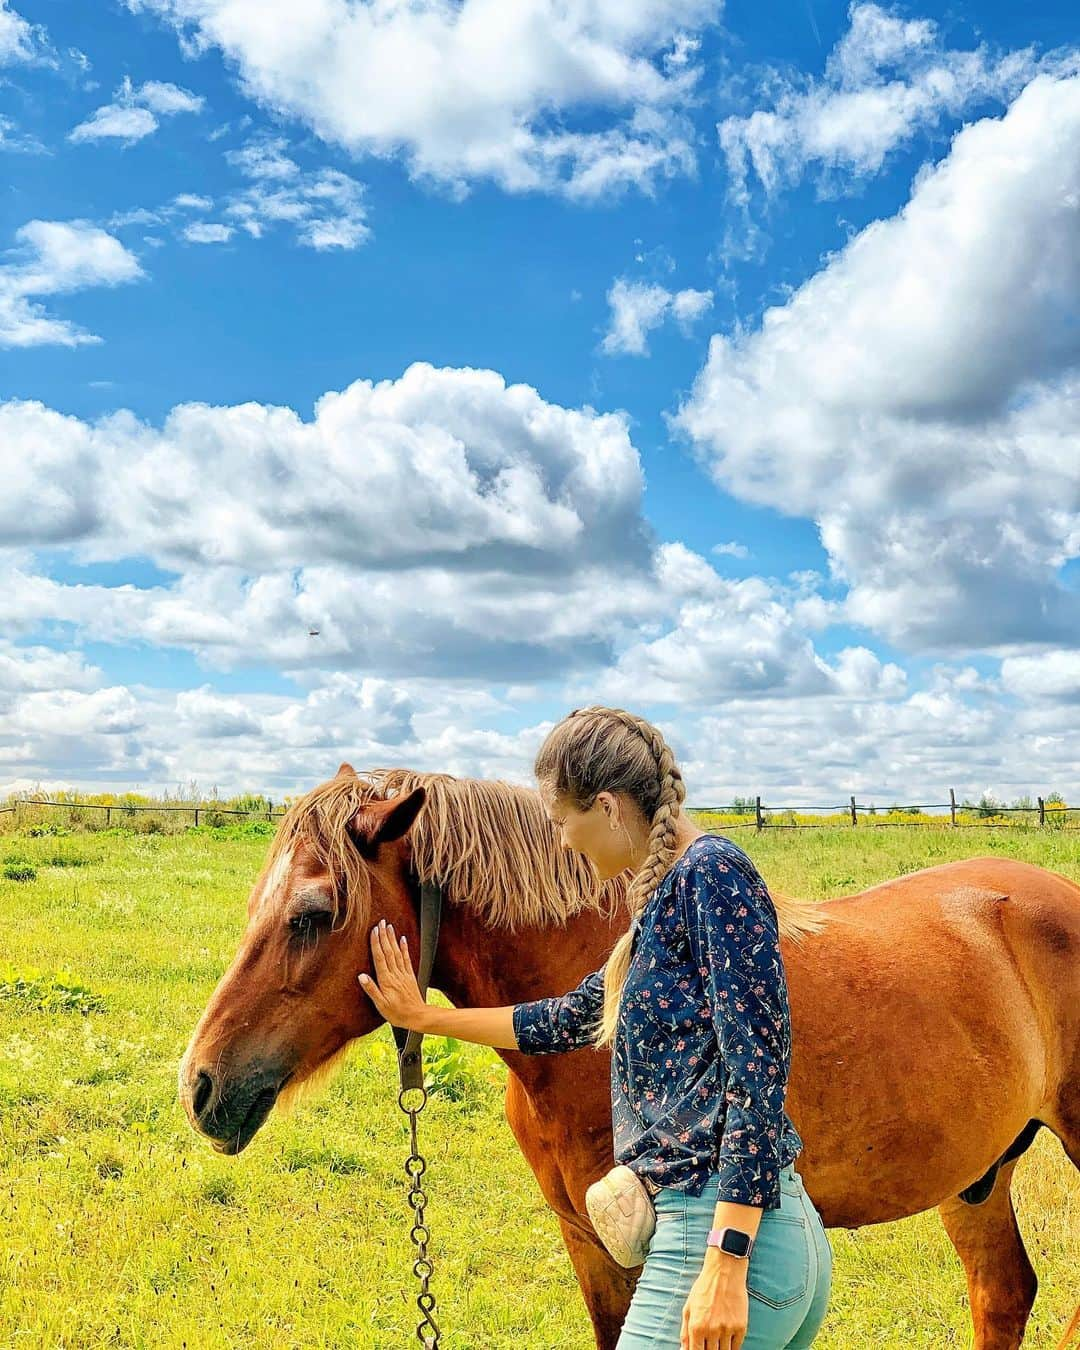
point(410, 1043)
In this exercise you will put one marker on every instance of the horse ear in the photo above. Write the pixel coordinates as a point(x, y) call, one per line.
point(346, 771)
point(383, 822)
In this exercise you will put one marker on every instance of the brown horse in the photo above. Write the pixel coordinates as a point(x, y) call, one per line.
point(936, 1018)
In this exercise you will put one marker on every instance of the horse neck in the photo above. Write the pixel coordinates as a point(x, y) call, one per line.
point(477, 966)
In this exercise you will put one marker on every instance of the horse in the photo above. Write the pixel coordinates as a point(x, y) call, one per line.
point(935, 1017)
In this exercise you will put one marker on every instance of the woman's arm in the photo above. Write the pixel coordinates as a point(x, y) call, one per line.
point(544, 1026)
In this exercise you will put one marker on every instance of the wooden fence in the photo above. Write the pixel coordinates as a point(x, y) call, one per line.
point(1053, 815)
point(199, 811)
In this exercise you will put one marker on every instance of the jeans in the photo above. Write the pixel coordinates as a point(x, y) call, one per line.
point(788, 1279)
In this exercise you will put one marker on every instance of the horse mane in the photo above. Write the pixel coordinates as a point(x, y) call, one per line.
point(490, 845)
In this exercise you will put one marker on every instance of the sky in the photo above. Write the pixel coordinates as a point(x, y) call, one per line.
point(380, 381)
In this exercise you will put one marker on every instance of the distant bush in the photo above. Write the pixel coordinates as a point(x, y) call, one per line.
point(20, 871)
point(147, 825)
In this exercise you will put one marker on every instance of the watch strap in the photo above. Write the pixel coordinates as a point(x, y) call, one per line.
point(731, 1240)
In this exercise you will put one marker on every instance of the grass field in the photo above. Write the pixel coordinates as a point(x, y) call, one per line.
point(120, 1228)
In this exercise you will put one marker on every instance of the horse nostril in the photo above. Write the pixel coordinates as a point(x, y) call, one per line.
point(204, 1087)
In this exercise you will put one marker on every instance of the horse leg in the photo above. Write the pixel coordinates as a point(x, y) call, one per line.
point(606, 1287)
point(1000, 1279)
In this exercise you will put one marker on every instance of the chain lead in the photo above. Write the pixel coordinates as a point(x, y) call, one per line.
point(427, 1329)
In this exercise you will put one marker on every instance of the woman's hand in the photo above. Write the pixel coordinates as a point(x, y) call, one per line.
point(394, 990)
point(717, 1310)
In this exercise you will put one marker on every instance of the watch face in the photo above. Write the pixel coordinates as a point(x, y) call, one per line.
point(735, 1243)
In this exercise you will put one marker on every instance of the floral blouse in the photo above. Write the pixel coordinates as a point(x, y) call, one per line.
point(700, 1060)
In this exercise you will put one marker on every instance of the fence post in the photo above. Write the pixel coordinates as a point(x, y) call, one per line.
point(952, 806)
point(108, 816)
point(854, 817)
point(269, 809)
point(757, 813)
point(196, 817)
point(1042, 812)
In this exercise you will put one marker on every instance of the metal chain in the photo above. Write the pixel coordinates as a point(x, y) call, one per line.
point(427, 1329)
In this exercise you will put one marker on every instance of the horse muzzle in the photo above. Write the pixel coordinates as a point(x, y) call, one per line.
point(229, 1109)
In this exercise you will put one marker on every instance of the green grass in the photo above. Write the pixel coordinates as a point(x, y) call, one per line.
point(120, 1228)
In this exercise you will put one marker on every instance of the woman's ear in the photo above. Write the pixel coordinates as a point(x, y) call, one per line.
point(609, 804)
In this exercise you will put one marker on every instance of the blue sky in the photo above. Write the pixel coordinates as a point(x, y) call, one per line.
point(719, 361)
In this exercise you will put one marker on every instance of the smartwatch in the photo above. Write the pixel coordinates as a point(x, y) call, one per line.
point(731, 1240)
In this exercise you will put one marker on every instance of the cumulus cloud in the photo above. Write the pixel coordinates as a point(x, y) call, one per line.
point(739, 638)
point(546, 95)
point(887, 80)
point(131, 115)
point(638, 307)
point(53, 258)
point(1049, 675)
point(443, 522)
point(28, 669)
point(918, 396)
point(436, 465)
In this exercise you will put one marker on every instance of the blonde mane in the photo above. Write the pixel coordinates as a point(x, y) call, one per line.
point(488, 843)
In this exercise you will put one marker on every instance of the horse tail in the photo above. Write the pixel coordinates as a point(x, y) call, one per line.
point(1071, 1330)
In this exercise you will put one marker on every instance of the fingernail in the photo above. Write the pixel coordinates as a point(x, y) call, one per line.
point(363, 979)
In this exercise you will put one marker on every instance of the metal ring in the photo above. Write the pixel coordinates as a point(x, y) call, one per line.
point(411, 1109)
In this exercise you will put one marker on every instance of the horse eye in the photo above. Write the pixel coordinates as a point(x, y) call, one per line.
point(308, 922)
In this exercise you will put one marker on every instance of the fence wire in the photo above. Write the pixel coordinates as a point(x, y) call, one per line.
point(1044, 815)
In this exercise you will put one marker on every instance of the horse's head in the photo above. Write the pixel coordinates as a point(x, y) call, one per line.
point(290, 1001)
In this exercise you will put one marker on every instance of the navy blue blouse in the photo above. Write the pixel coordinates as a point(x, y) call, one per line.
point(702, 1050)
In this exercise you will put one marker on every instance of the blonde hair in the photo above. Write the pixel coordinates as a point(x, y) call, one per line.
point(598, 750)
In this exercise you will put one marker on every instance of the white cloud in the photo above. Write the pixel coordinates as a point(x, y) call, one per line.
point(738, 638)
point(918, 397)
point(638, 307)
point(545, 95)
point(438, 464)
point(52, 258)
point(131, 115)
point(207, 232)
point(731, 549)
point(886, 80)
point(118, 122)
point(19, 40)
point(1050, 675)
point(28, 669)
point(16, 141)
point(324, 207)
point(440, 522)
point(169, 99)
point(264, 157)
point(811, 749)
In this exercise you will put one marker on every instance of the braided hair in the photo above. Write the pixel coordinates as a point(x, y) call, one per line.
point(600, 749)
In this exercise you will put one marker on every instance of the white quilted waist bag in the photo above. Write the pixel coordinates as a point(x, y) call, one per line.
point(621, 1210)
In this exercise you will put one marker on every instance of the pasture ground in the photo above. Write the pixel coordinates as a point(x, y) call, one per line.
point(120, 1228)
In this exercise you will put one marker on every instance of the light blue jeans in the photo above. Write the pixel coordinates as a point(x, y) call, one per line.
point(788, 1280)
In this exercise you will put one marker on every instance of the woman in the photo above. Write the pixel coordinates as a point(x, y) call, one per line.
point(693, 1003)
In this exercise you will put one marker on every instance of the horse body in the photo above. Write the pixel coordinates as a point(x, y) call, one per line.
point(930, 1023)
point(934, 1019)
